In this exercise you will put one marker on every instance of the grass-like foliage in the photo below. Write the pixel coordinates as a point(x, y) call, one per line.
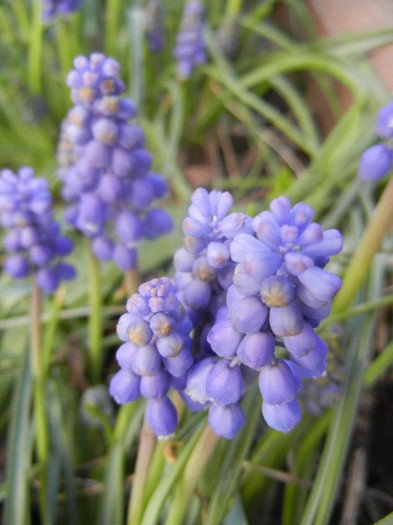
point(248, 103)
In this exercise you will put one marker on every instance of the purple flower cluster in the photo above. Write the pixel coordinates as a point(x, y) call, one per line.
point(105, 167)
point(204, 268)
point(204, 271)
point(190, 46)
point(59, 8)
point(377, 160)
point(253, 290)
point(280, 293)
point(154, 26)
point(156, 353)
point(33, 237)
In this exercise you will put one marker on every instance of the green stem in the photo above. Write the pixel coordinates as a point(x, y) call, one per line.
point(65, 53)
point(95, 319)
point(34, 52)
point(113, 11)
point(233, 7)
point(362, 308)
point(147, 444)
point(21, 15)
point(172, 140)
point(67, 313)
point(131, 280)
point(183, 492)
point(40, 414)
point(135, 24)
point(51, 329)
point(371, 241)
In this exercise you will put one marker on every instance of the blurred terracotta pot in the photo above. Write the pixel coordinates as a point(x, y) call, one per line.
point(335, 17)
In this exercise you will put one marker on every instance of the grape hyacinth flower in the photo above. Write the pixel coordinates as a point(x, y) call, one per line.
point(59, 8)
point(204, 268)
point(190, 46)
point(204, 271)
point(105, 167)
point(244, 287)
point(154, 26)
point(33, 237)
point(280, 293)
point(377, 160)
point(156, 353)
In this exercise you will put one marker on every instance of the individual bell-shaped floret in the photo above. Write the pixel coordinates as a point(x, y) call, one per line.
point(223, 336)
point(248, 314)
point(287, 320)
point(226, 420)
point(17, 266)
point(156, 385)
point(125, 387)
point(256, 350)
point(283, 418)
point(162, 417)
point(146, 361)
point(224, 383)
point(124, 257)
point(300, 344)
point(384, 127)
point(375, 162)
point(196, 380)
point(277, 291)
point(277, 383)
point(317, 286)
point(311, 364)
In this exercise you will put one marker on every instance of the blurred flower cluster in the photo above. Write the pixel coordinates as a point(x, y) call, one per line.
point(190, 46)
point(105, 167)
point(154, 26)
point(377, 160)
point(59, 8)
point(33, 236)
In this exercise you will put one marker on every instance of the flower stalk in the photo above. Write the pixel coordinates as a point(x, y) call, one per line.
point(195, 465)
point(379, 225)
point(131, 280)
point(95, 319)
point(146, 448)
point(41, 424)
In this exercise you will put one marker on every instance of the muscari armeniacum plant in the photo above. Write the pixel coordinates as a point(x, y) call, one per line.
point(246, 291)
point(154, 26)
point(34, 247)
point(190, 50)
point(59, 8)
point(105, 167)
point(33, 240)
point(257, 284)
point(107, 179)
